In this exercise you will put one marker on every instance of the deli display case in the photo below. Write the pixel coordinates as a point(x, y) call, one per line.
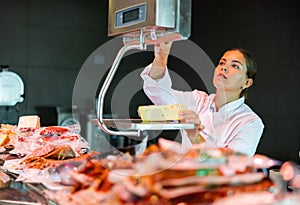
point(17, 192)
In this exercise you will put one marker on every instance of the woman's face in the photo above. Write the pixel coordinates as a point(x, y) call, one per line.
point(231, 73)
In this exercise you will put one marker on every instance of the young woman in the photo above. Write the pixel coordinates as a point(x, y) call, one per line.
point(223, 119)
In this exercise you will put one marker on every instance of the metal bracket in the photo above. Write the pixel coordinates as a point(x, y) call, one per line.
point(107, 82)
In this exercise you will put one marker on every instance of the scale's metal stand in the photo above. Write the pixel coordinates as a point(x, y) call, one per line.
point(131, 127)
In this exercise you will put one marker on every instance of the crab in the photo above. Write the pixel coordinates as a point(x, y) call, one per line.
point(60, 152)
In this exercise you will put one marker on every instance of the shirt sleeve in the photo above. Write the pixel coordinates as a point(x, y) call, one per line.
point(248, 138)
point(160, 91)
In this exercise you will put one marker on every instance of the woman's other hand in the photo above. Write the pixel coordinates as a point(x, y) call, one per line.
point(161, 53)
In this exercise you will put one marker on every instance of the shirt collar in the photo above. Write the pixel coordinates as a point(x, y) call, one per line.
point(227, 107)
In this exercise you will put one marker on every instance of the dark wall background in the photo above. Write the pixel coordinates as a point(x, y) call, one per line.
point(46, 42)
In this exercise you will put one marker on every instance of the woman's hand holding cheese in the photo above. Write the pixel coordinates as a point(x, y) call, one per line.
point(189, 116)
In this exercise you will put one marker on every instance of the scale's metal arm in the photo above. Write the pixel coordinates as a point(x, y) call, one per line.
point(107, 82)
point(130, 127)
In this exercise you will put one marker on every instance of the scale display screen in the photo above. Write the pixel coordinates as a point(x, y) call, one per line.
point(130, 16)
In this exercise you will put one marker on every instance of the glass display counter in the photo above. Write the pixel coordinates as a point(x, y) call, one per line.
point(20, 193)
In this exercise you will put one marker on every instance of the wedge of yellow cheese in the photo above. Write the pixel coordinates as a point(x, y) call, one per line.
point(29, 121)
point(160, 112)
point(4, 139)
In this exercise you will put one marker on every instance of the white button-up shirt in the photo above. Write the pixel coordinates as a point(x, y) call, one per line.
point(233, 126)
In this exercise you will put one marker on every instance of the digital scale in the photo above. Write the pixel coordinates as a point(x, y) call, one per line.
point(154, 21)
point(142, 23)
